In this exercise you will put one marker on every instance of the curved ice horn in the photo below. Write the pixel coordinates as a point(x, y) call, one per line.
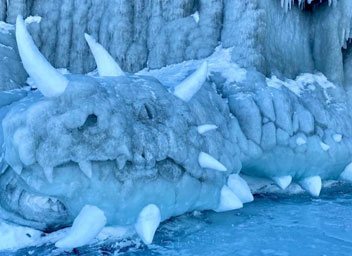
point(106, 64)
point(48, 80)
point(191, 85)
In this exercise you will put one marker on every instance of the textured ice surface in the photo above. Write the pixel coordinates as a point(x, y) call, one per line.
point(273, 224)
point(153, 34)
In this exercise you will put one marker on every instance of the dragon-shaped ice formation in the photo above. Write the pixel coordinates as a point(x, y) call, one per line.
point(128, 149)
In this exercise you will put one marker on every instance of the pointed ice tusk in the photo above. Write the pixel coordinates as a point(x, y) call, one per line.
point(191, 85)
point(147, 223)
point(346, 175)
point(228, 200)
point(283, 181)
point(86, 226)
point(106, 64)
point(312, 185)
point(48, 80)
point(240, 188)
point(48, 172)
point(86, 168)
point(207, 161)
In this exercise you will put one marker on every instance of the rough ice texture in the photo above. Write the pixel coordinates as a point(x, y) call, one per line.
point(153, 34)
point(12, 73)
point(142, 141)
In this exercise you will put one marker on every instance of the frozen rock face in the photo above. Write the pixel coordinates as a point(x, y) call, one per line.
point(12, 74)
point(136, 33)
point(267, 35)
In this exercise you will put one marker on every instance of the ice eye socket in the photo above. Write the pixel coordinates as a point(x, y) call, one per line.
point(91, 121)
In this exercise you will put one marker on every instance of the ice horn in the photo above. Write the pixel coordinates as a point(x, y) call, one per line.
point(106, 64)
point(49, 81)
point(191, 85)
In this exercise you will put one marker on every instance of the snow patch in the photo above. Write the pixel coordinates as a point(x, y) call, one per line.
point(6, 28)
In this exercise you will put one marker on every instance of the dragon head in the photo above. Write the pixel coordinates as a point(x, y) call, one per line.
point(116, 141)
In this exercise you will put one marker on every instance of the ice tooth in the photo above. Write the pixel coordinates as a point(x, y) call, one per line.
point(191, 85)
point(240, 188)
point(86, 226)
point(147, 223)
point(228, 200)
point(121, 161)
point(206, 127)
point(283, 181)
point(106, 64)
point(86, 168)
point(49, 81)
point(312, 185)
point(48, 172)
point(207, 161)
point(346, 175)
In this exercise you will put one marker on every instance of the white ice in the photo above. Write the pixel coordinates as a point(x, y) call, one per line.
point(228, 200)
point(312, 185)
point(240, 188)
point(106, 64)
point(347, 173)
point(191, 85)
point(207, 161)
point(337, 137)
point(300, 141)
point(48, 80)
point(283, 181)
point(147, 223)
point(206, 128)
point(86, 226)
point(324, 146)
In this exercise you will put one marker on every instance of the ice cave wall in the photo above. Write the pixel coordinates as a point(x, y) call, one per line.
point(284, 38)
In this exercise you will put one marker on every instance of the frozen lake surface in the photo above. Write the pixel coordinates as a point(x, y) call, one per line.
point(274, 224)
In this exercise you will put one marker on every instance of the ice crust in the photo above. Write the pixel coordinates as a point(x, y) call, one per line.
point(141, 34)
point(125, 143)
